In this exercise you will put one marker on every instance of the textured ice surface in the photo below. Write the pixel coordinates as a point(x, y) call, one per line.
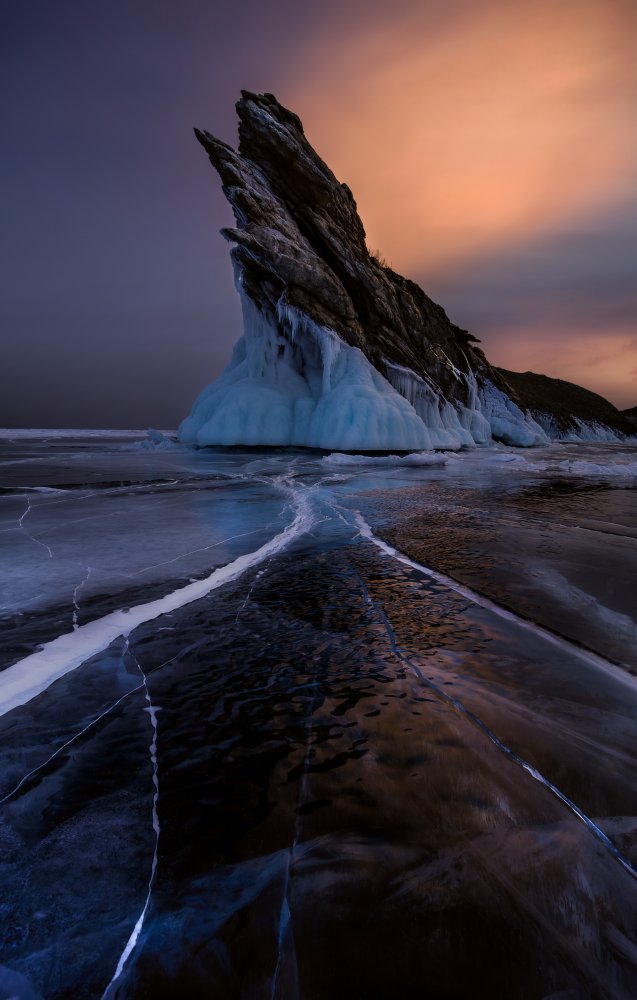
point(205, 803)
point(616, 464)
point(422, 458)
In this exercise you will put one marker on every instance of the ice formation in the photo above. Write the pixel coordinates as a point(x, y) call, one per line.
point(448, 426)
point(293, 382)
point(507, 421)
point(583, 431)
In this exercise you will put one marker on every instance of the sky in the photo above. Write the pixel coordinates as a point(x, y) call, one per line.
point(491, 146)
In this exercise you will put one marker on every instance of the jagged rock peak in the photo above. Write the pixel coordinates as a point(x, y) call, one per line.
point(286, 200)
point(339, 351)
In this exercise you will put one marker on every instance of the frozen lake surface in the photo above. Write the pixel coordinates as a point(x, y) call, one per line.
point(275, 724)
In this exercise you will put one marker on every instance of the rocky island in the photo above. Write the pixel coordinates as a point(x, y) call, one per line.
point(339, 351)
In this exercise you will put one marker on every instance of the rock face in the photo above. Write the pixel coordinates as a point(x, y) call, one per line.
point(339, 351)
point(631, 416)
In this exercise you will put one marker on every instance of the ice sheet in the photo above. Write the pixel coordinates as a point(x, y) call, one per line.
point(445, 686)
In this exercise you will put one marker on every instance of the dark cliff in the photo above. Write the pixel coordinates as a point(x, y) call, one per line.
point(299, 236)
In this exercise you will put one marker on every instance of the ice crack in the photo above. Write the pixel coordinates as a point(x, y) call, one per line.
point(28, 533)
point(28, 677)
point(192, 552)
point(93, 722)
point(286, 934)
point(68, 743)
point(563, 644)
point(132, 941)
point(76, 607)
point(471, 717)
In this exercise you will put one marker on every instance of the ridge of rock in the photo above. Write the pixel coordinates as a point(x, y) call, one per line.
point(566, 404)
point(630, 415)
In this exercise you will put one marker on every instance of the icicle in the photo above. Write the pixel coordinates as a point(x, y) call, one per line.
point(295, 322)
point(448, 428)
point(508, 423)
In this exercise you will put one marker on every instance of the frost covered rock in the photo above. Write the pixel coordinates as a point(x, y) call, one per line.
point(508, 422)
point(567, 412)
point(338, 352)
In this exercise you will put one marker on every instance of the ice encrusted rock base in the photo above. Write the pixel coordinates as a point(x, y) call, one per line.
point(301, 387)
point(292, 382)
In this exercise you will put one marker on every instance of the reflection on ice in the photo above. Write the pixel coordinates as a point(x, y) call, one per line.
point(496, 609)
point(471, 716)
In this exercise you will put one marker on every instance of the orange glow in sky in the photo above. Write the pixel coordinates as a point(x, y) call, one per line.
point(485, 127)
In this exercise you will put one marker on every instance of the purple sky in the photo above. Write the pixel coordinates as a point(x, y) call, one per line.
point(116, 289)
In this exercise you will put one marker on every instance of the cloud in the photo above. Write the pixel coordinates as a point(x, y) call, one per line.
point(458, 133)
point(605, 365)
point(583, 275)
point(492, 149)
point(564, 304)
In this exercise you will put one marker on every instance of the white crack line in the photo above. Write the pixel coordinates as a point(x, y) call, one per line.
point(98, 718)
point(461, 709)
point(76, 607)
point(28, 533)
point(132, 941)
point(285, 916)
point(68, 743)
point(28, 677)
